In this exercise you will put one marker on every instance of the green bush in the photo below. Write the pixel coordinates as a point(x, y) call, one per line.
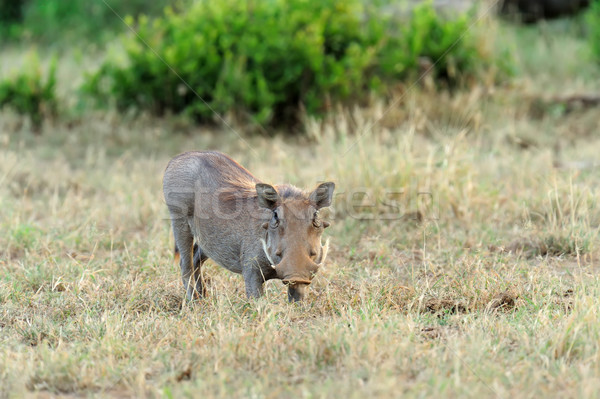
point(593, 26)
point(28, 93)
point(264, 59)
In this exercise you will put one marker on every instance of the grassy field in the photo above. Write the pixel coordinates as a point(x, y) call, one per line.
point(464, 260)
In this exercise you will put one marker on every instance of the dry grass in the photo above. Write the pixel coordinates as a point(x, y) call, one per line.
point(478, 276)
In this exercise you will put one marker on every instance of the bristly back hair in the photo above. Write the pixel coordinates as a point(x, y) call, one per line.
point(240, 184)
point(242, 189)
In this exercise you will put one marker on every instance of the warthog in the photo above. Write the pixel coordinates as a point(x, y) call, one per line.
point(246, 226)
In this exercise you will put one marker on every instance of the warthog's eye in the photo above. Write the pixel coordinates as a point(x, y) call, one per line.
point(275, 220)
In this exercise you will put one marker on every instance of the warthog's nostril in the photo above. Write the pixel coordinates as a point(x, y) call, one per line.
point(279, 253)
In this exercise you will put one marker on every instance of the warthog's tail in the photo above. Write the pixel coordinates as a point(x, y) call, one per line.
point(177, 256)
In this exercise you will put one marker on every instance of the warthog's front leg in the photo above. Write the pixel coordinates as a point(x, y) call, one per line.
point(253, 278)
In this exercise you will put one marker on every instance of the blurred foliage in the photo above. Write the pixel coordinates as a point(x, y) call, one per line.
point(531, 11)
point(593, 26)
point(28, 93)
point(11, 11)
point(11, 14)
point(70, 20)
point(265, 59)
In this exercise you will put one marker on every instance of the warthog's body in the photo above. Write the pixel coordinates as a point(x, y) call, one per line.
point(247, 227)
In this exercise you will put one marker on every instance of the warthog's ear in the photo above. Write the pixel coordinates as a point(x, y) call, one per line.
point(267, 196)
point(323, 195)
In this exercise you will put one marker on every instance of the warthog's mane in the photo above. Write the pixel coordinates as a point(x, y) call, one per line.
point(239, 184)
point(242, 189)
point(287, 191)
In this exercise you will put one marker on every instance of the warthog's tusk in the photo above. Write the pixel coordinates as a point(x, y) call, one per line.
point(264, 243)
point(325, 249)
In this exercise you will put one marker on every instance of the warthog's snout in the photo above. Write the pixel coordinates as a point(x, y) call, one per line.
point(296, 278)
point(297, 271)
point(297, 291)
point(291, 273)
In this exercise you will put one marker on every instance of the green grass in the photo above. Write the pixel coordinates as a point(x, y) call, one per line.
point(493, 293)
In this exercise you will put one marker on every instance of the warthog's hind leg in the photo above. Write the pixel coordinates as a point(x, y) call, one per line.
point(184, 245)
point(199, 259)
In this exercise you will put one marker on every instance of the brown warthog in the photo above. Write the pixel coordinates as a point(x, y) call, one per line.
point(244, 225)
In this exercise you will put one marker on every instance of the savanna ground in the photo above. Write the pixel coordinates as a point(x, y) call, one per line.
point(469, 269)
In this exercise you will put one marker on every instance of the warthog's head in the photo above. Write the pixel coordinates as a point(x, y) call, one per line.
point(293, 235)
